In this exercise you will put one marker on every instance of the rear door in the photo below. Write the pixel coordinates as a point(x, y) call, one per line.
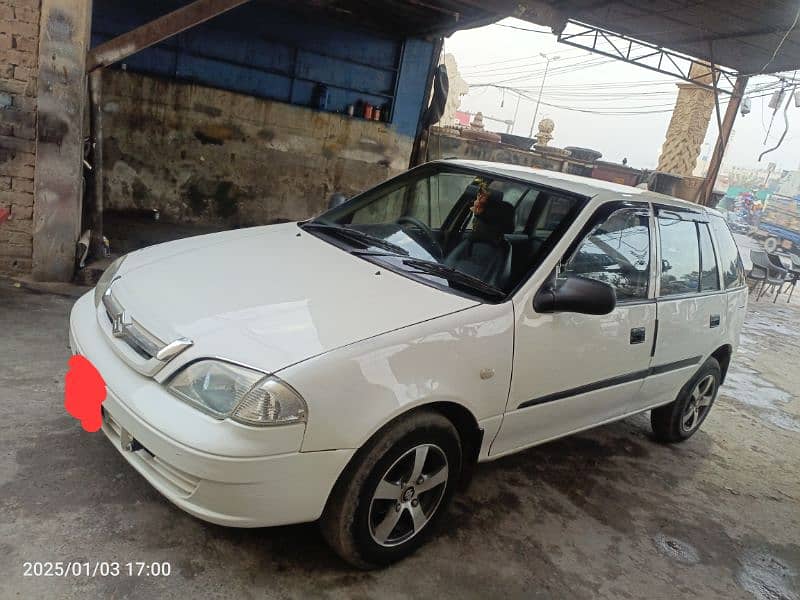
point(733, 277)
point(692, 308)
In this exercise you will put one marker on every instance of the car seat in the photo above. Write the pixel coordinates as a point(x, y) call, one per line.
point(485, 253)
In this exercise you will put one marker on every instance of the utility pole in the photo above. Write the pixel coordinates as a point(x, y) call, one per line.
point(516, 112)
point(541, 88)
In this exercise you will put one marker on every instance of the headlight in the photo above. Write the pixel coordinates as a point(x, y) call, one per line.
point(225, 391)
point(105, 280)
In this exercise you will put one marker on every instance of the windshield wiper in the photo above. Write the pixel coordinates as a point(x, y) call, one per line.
point(439, 270)
point(357, 235)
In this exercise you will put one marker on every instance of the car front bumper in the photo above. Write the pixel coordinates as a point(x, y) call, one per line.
point(233, 485)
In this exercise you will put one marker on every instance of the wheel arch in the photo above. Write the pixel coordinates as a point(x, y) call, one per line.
point(468, 429)
point(461, 417)
point(723, 355)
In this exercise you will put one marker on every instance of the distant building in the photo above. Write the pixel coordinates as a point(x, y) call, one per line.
point(458, 88)
point(789, 184)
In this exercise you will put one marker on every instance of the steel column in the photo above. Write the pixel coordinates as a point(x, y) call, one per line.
point(58, 180)
point(705, 191)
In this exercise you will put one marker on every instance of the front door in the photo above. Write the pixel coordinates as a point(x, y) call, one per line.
point(574, 371)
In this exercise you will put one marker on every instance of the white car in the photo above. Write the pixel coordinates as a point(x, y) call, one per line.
point(353, 368)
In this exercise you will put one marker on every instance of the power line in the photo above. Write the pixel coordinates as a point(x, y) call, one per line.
point(518, 68)
point(640, 109)
point(556, 71)
point(516, 59)
point(594, 98)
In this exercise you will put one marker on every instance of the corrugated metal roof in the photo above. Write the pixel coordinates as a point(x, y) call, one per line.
point(739, 34)
point(742, 35)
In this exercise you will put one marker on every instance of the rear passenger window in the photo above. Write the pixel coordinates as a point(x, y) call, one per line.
point(732, 268)
point(680, 257)
point(617, 252)
point(709, 275)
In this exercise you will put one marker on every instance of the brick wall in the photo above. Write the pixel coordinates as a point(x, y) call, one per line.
point(19, 31)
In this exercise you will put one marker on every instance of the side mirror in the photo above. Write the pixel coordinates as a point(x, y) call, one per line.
point(336, 199)
point(576, 294)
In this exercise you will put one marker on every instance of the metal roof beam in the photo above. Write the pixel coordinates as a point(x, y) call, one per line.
point(636, 52)
point(157, 31)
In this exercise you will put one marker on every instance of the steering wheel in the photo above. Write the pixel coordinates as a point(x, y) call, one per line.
point(433, 245)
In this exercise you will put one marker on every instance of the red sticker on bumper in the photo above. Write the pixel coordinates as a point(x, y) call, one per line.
point(84, 392)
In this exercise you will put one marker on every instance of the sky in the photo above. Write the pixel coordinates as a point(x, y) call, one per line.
point(502, 55)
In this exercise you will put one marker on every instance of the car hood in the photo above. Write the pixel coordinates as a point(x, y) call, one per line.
point(269, 296)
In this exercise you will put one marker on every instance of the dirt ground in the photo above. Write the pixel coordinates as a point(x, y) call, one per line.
point(604, 514)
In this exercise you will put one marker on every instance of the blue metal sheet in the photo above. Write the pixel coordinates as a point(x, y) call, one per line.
point(333, 71)
point(338, 98)
point(411, 86)
point(281, 55)
point(215, 73)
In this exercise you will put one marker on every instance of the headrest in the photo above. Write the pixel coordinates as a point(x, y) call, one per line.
point(497, 214)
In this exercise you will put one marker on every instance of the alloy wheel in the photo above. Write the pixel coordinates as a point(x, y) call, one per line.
point(408, 495)
point(699, 402)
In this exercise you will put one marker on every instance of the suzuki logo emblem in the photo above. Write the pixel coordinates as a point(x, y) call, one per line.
point(118, 324)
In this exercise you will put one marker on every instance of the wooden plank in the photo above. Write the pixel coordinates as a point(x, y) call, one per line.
point(157, 31)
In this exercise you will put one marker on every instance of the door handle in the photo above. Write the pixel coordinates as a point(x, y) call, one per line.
point(637, 335)
point(714, 321)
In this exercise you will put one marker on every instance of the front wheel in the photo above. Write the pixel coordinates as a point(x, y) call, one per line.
point(390, 497)
point(679, 420)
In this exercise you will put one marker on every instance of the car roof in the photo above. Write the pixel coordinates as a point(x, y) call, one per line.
point(584, 186)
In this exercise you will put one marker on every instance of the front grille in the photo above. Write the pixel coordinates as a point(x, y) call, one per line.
point(148, 354)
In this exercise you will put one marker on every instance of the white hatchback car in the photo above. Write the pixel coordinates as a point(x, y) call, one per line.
point(354, 367)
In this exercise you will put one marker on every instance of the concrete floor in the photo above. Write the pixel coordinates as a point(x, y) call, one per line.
point(604, 514)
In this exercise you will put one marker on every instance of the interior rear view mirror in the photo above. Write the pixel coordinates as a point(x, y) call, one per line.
point(575, 294)
point(336, 199)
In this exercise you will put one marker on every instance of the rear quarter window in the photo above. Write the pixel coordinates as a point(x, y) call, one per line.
point(732, 267)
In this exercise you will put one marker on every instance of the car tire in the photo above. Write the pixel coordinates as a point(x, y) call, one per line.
point(376, 515)
point(680, 420)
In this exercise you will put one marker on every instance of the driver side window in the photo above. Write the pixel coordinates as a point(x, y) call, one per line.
point(616, 252)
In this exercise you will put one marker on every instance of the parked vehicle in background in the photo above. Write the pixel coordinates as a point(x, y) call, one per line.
point(354, 368)
point(736, 222)
point(779, 224)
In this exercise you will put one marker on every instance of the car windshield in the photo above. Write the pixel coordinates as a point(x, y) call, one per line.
point(470, 232)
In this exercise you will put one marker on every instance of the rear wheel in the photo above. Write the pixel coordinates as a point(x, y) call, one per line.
point(680, 419)
point(389, 499)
